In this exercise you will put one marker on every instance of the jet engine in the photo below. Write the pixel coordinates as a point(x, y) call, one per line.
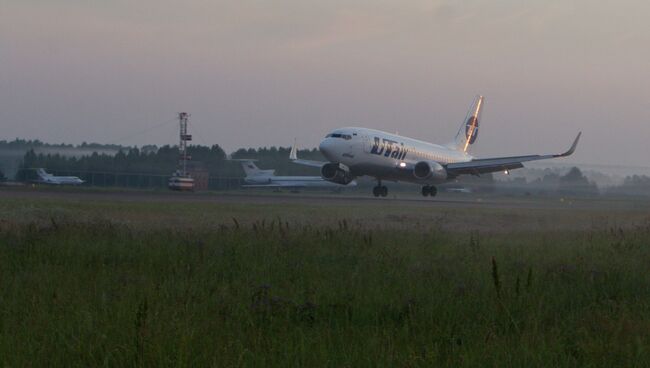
point(336, 173)
point(429, 170)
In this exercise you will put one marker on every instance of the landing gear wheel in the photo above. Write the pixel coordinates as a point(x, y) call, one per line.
point(426, 190)
point(379, 190)
point(384, 191)
point(433, 191)
point(429, 191)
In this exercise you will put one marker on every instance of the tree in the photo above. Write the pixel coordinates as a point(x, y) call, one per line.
point(633, 185)
point(574, 182)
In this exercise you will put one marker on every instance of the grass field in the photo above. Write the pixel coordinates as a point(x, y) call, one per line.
point(132, 283)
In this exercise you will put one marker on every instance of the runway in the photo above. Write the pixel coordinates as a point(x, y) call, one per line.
point(453, 212)
point(399, 199)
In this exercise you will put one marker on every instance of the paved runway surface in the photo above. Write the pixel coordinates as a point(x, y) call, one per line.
point(443, 200)
point(456, 212)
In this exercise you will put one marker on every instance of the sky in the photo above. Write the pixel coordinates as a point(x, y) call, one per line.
point(260, 73)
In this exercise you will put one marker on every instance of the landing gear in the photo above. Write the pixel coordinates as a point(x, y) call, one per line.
point(429, 191)
point(380, 190)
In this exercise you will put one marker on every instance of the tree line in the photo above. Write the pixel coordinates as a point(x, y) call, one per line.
point(27, 144)
point(165, 160)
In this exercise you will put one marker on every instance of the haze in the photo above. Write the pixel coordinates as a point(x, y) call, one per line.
point(259, 73)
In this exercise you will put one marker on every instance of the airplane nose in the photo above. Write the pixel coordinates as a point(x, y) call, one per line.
point(326, 147)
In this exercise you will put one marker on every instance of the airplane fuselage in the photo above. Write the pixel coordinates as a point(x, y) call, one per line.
point(62, 180)
point(386, 156)
point(289, 181)
point(45, 178)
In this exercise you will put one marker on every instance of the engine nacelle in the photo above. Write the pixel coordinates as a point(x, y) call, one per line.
point(429, 170)
point(336, 173)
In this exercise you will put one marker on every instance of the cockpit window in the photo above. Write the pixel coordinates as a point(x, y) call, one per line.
point(347, 137)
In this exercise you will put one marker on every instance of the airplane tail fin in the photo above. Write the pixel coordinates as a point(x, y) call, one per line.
point(293, 155)
point(42, 174)
point(468, 132)
point(250, 169)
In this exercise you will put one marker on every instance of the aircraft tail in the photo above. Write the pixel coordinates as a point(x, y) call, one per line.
point(468, 132)
point(293, 155)
point(42, 174)
point(250, 169)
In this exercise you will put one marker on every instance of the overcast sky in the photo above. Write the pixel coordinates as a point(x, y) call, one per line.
point(259, 73)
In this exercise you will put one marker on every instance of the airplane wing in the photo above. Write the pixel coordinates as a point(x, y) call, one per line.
point(293, 156)
point(487, 165)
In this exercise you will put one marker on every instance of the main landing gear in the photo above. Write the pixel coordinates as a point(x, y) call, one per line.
point(380, 190)
point(429, 191)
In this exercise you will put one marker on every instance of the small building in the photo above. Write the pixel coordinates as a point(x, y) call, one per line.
point(200, 175)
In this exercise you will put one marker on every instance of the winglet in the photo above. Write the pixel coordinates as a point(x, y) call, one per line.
point(293, 155)
point(572, 149)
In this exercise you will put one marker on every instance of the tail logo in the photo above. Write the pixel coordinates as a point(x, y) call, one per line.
point(471, 129)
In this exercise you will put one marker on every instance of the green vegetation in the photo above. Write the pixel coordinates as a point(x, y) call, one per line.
point(163, 160)
point(151, 166)
point(573, 182)
point(249, 287)
point(27, 144)
point(633, 185)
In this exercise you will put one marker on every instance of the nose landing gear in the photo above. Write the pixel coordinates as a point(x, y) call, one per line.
point(429, 190)
point(380, 190)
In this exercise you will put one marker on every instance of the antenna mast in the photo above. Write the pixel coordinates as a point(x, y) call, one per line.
point(181, 180)
point(183, 117)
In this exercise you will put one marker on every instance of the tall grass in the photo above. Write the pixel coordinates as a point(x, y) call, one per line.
point(273, 293)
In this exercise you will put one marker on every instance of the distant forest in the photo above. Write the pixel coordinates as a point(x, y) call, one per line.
point(159, 160)
point(23, 144)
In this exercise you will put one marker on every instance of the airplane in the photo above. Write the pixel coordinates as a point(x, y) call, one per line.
point(353, 152)
point(258, 178)
point(45, 178)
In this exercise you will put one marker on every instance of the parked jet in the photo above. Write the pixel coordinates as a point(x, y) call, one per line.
point(354, 152)
point(45, 178)
point(258, 178)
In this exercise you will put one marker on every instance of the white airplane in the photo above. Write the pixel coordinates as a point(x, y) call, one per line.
point(45, 178)
point(258, 178)
point(354, 152)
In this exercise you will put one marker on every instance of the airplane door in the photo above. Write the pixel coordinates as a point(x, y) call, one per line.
point(367, 146)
